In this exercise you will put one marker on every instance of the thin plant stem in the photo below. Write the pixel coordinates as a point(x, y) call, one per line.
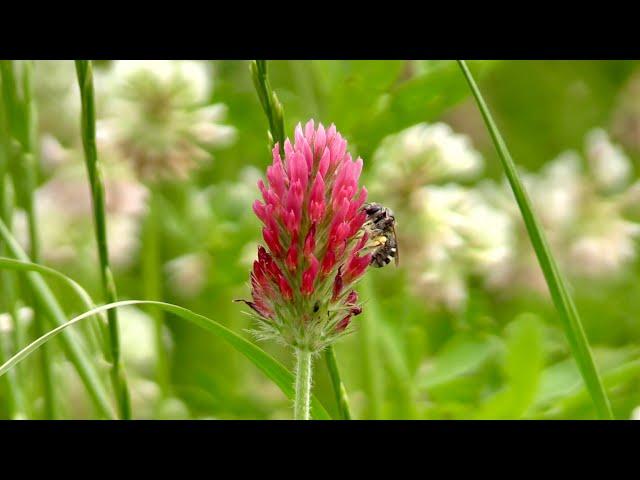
point(340, 392)
point(151, 275)
point(302, 401)
point(22, 132)
point(29, 178)
point(270, 103)
point(48, 303)
point(275, 117)
point(16, 402)
point(562, 300)
point(9, 333)
point(118, 377)
point(372, 368)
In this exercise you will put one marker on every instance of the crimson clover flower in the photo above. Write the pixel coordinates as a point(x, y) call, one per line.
point(302, 282)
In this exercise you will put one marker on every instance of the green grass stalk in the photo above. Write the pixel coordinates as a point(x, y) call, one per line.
point(339, 390)
point(118, 377)
point(151, 279)
point(275, 117)
point(562, 300)
point(72, 347)
point(371, 366)
point(28, 173)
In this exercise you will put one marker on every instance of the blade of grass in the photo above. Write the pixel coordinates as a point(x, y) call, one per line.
point(275, 116)
point(561, 298)
point(77, 356)
point(267, 364)
point(28, 173)
point(342, 400)
point(9, 333)
point(373, 371)
point(98, 338)
point(88, 120)
point(23, 130)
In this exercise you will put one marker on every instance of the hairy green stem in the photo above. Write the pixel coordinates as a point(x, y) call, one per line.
point(340, 392)
point(302, 400)
point(85, 82)
point(562, 300)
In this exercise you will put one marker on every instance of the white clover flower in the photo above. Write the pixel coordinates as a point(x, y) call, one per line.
point(159, 117)
point(452, 233)
point(65, 215)
point(423, 154)
point(57, 99)
point(607, 243)
point(461, 235)
point(187, 274)
point(137, 332)
point(609, 165)
point(584, 224)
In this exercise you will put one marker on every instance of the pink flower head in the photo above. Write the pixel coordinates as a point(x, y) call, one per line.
point(302, 284)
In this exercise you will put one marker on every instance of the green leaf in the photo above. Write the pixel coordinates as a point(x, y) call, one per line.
point(523, 366)
point(562, 380)
point(460, 356)
point(268, 365)
point(562, 300)
point(423, 98)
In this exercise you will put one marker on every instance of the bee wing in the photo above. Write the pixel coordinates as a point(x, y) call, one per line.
point(397, 257)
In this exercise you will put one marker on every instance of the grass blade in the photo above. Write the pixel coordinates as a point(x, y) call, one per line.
point(98, 338)
point(267, 364)
point(77, 355)
point(561, 298)
point(24, 168)
point(338, 387)
point(118, 377)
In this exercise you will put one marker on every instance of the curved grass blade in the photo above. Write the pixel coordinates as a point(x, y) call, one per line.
point(269, 366)
point(73, 349)
point(23, 266)
point(99, 338)
point(561, 298)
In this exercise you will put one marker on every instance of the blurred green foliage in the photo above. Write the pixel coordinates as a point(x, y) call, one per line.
point(499, 358)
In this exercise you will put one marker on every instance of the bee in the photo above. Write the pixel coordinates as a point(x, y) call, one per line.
point(381, 223)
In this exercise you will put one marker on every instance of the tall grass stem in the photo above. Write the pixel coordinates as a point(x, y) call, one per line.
point(339, 390)
point(72, 347)
point(557, 287)
point(151, 279)
point(118, 377)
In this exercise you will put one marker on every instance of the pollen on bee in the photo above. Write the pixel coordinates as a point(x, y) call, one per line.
point(380, 240)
